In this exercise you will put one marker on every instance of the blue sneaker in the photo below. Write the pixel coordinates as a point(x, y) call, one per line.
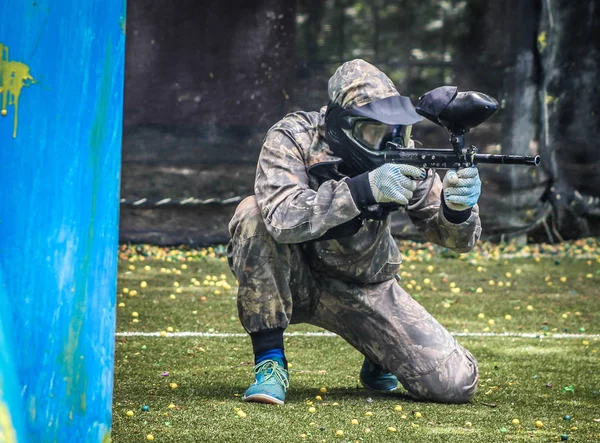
point(374, 377)
point(270, 386)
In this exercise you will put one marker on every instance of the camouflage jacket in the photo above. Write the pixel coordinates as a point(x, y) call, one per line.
point(301, 195)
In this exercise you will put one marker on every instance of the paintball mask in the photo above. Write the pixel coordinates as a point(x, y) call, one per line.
point(359, 135)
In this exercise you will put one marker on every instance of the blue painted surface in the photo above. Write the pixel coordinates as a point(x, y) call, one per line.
point(11, 409)
point(59, 181)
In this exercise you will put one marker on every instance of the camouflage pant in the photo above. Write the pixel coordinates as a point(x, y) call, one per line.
point(277, 287)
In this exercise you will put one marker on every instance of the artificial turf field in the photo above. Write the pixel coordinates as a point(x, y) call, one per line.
point(530, 315)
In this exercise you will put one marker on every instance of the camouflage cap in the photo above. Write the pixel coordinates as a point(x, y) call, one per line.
point(357, 83)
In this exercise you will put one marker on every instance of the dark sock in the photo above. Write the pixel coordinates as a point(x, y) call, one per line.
point(266, 342)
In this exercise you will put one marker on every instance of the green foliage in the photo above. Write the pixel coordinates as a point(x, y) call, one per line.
point(411, 40)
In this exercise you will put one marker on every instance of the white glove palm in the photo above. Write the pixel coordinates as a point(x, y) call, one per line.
point(394, 183)
point(462, 188)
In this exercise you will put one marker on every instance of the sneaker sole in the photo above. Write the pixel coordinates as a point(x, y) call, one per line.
point(379, 390)
point(263, 398)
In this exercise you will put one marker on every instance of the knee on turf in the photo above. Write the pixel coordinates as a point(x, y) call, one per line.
point(454, 381)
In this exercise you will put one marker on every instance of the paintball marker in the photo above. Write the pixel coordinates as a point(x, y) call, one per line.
point(457, 112)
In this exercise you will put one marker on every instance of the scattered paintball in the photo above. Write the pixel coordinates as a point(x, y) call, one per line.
point(539, 313)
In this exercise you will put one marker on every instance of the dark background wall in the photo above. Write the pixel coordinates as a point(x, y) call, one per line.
point(205, 80)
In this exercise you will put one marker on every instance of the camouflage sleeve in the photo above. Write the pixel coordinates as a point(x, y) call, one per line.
point(292, 211)
point(425, 211)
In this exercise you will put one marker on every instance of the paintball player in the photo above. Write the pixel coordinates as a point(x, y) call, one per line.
point(313, 245)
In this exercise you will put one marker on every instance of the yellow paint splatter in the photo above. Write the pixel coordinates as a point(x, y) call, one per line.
point(13, 76)
point(7, 430)
point(542, 41)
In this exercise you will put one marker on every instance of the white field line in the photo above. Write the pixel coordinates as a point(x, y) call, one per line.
point(331, 334)
point(558, 256)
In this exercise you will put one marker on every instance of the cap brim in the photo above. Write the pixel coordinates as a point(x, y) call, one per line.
point(395, 110)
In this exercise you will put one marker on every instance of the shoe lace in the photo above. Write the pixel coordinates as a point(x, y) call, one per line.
point(272, 369)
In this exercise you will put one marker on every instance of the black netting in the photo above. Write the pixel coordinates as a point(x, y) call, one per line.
point(205, 80)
